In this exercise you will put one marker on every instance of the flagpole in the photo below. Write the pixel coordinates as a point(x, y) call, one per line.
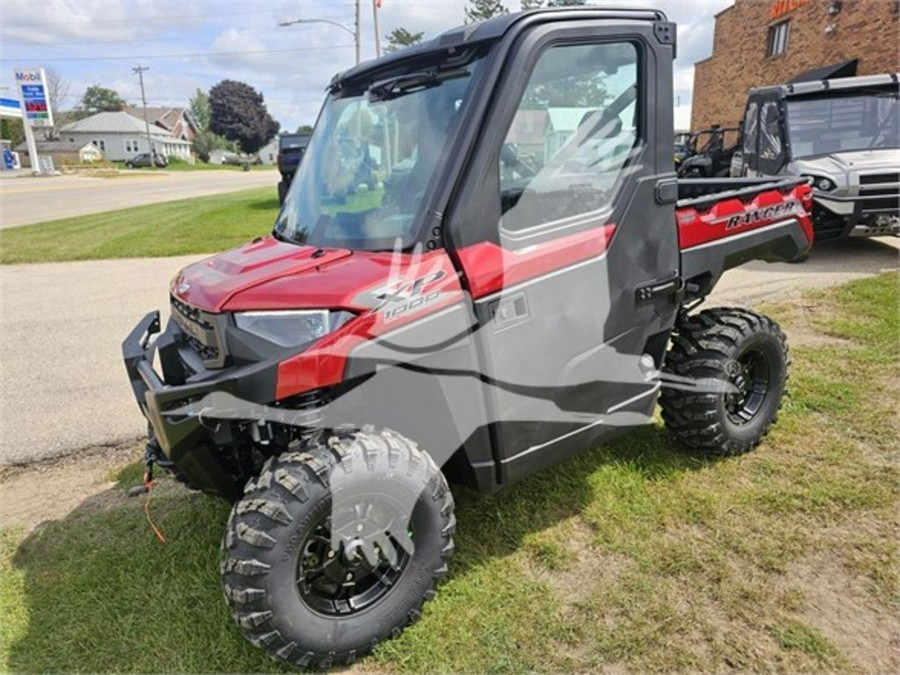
point(375, 4)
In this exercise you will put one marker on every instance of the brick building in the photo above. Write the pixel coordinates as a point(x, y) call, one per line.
point(760, 42)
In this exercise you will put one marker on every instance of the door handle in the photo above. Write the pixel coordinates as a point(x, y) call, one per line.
point(509, 311)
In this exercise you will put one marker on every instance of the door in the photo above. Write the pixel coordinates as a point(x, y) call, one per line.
point(561, 227)
point(749, 135)
point(771, 145)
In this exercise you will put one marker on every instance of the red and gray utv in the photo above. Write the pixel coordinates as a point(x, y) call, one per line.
point(513, 281)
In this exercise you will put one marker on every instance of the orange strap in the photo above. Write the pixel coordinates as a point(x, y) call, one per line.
point(149, 483)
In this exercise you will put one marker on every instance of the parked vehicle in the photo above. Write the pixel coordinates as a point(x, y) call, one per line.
point(143, 159)
point(682, 145)
point(842, 134)
point(708, 153)
point(291, 148)
point(488, 311)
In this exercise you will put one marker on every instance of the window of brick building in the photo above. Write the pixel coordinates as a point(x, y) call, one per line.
point(778, 38)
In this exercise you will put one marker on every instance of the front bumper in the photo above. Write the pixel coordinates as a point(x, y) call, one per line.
point(184, 439)
point(856, 215)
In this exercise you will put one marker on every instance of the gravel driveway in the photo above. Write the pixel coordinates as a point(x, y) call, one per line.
point(63, 385)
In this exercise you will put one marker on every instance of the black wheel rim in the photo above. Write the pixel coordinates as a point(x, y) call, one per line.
point(364, 568)
point(751, 376)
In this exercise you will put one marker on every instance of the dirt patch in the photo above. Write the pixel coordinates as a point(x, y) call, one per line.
point(583, 567)
point(52, 489)
point(836, 603)
point(801, 332)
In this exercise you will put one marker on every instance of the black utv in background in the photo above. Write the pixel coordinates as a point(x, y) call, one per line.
point(291, 148)
point(707, 153)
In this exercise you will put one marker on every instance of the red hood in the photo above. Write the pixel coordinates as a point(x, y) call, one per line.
point(269, 274)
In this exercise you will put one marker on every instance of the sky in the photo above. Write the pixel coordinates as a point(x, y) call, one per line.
point(191, 44)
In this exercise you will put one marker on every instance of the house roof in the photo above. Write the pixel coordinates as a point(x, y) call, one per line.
point(567, 119)
point(119, 122)
point(61, 145)
point(164, 116)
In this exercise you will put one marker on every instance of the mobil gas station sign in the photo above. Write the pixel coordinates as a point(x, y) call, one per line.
point(32, 86)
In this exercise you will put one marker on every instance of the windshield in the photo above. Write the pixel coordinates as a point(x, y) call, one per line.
point(363, 179)
point(859, 121)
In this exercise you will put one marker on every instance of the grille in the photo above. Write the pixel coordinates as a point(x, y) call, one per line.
point(880, 192)
point(869, 179)
point(199, 332)
point(191, 313)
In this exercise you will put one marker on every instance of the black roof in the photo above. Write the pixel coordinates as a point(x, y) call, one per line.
point(493, 29)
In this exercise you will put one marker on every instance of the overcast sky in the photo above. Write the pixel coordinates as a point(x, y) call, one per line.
point(196, 43)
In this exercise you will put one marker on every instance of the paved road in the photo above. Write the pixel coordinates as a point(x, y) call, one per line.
point(34, 199)
point(63, 386)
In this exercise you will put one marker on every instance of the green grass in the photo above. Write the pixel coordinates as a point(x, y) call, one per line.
point(200, 225)
point(635, 555)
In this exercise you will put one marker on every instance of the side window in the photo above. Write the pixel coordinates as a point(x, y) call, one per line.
point(573, 133)
point(751, 119)
point(770, 131)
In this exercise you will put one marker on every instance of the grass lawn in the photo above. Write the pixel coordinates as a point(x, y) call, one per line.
point(635, 555)
point(200, 225)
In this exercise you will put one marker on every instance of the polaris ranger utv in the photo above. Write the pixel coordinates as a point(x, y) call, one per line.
point(844, 135)
point(502, 299)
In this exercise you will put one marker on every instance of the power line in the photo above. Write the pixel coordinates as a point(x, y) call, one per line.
point(169, 17)
point(182, 56)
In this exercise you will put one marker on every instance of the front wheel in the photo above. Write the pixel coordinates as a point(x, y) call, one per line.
point(745, 350)
point(335, 548)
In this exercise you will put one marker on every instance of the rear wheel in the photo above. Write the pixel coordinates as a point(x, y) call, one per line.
point(335, 548)
point(742, 348)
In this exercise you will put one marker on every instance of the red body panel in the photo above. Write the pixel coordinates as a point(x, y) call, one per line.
point(490, 268)
point(729, 217)
point(211, 283)
point(393, 300)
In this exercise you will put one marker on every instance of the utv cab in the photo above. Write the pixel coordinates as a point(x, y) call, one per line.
point(842, 134)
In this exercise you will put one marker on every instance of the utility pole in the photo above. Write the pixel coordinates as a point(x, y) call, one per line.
point(139, 69)
point(376, 4)
point(356, 30)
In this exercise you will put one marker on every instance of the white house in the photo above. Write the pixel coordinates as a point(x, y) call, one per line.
point(268, 154)
point(121, 136)
point(63, 152)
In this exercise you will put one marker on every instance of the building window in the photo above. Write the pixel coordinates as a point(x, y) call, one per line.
point(778, 38)
point(131, 145)
point(99, 144)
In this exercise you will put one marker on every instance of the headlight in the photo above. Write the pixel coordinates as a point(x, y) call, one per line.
point(291, 328)
point(822, 184)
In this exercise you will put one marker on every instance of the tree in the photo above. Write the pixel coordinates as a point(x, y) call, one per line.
point(100, 99)
point(481, 10)
point(400, 38)
point(57, 92)
point(532, 4)
point(304, 129)
point(198, 106)
point(12, 130)
point(238, 112)
point(206, 141)
point(566, 3)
